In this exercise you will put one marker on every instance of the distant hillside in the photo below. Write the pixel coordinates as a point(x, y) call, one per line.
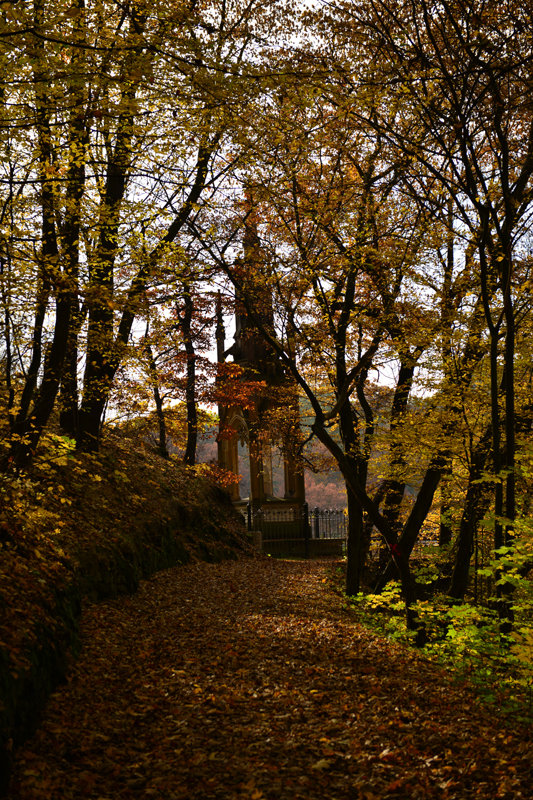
point(324, 489)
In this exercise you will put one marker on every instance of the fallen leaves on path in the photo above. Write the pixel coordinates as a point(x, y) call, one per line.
point(247, 680)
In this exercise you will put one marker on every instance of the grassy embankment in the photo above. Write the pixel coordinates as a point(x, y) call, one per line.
point(81, 528)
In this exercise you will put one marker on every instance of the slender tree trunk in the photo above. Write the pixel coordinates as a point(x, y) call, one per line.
point(30, 382)
point(78, 141)
point(396, 485)
point(68, 397)
point(474, 507)
point(447, 316)
point(100, 356)
point(501, 459)
point(30, 424)
point(161, 423)
point(23, 452)
point(100, 343)
point(8, 369)
point(158, 400)
point(505, 590)
point(510, 415)
point(445, 521)
point(185, 323)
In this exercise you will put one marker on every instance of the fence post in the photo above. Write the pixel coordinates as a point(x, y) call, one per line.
point(316, 523)
point(305, 514)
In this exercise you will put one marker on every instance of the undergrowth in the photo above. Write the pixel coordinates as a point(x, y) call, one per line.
point(464, 638)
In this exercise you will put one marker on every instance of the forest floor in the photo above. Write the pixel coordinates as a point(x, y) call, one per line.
point(248, 679)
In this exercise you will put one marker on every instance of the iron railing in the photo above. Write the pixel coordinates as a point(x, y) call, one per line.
point(303, 531)
point(298, 530)
point(311, 532)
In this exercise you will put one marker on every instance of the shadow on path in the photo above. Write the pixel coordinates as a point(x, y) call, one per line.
point(247, 680)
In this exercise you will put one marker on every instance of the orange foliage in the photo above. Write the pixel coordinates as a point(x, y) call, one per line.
point(233, 389)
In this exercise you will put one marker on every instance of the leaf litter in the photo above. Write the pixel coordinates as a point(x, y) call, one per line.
point(248, 680)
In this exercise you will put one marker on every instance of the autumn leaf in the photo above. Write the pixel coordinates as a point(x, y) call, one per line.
point(135, 718)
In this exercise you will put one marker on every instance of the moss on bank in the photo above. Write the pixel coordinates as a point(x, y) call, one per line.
point(82, 528)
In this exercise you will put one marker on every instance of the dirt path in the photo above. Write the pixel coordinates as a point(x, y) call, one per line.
point(247, 680)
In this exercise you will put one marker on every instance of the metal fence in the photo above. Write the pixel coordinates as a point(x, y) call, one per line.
point(298, 530)
point(304, 532)
point(311, 532)
point(328, 523)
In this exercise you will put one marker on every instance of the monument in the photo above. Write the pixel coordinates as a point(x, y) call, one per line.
point(276, 393)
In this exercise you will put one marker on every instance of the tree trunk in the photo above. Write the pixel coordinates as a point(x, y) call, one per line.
point(23, 450)
point(30, 424)
point(356, 554)
point(473, 510)
point(395, 485)
point(502, 460)
point(68, 396)
point(445, 522)
point(352, 479)
point(158, 400)
point(419, 512)
point(185, 322)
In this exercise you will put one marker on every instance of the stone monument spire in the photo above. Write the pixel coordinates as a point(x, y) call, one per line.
point(259, 363)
